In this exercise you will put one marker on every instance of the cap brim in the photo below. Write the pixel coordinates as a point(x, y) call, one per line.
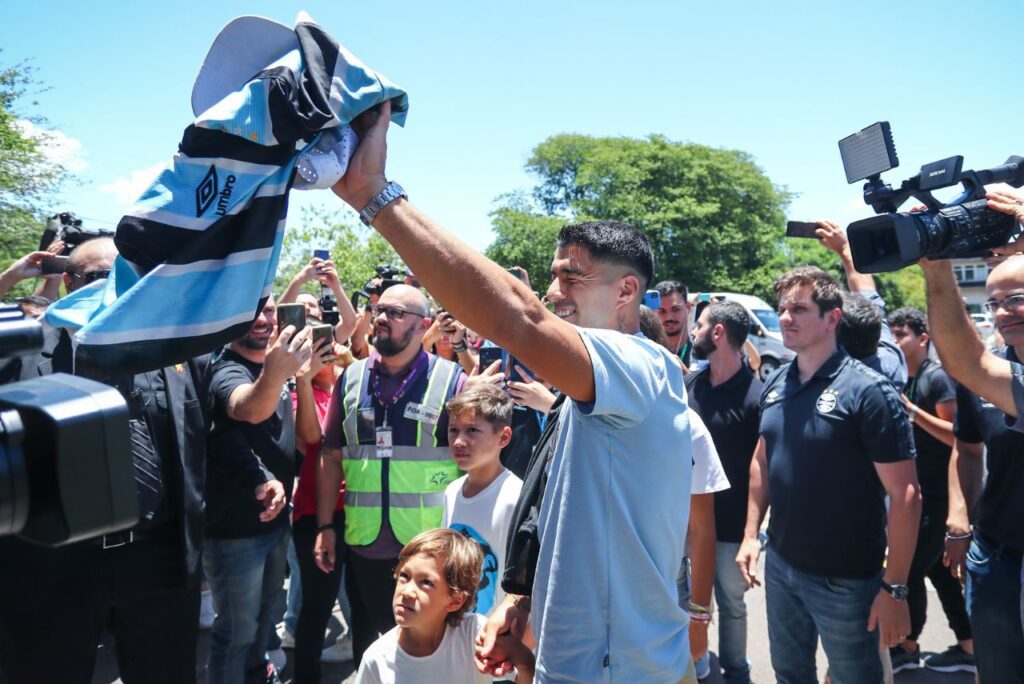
point(242, 49)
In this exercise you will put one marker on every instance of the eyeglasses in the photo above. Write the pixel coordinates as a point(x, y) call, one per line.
point(393, 312)
point(1011, 303)
point(91, 276)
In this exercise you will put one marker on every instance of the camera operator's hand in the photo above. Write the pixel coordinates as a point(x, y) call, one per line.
point(55, 247)
point(530, 393)
point(365, 175)
point(1008, 202)
point(288, 352)
point(271, 495)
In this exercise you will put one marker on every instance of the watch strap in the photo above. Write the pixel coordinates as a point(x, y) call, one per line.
point(389, 194)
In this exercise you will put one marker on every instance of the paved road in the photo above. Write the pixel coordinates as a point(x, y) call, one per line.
point(937, 636)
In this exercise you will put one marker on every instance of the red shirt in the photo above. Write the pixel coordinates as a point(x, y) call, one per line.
point(304, 502)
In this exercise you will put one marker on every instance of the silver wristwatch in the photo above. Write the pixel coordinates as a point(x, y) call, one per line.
point(389, 194)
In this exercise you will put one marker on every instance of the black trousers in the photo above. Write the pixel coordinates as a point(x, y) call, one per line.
point(56, 603)
point(928, 563)
point(371, 586)
point(319, 591)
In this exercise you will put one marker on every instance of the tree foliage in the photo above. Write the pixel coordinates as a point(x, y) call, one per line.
point(355, 249)
point(27, 176)
point(714, 218)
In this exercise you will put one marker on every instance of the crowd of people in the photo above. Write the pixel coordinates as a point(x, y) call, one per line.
point(492, 485)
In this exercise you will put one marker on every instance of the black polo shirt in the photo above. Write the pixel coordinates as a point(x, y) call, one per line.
point(732, 412)
point(823, 438)
point(1000, 515)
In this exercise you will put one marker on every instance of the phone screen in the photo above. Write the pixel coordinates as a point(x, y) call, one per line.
point(291, 314)
point(801, 229)
point(321, 254)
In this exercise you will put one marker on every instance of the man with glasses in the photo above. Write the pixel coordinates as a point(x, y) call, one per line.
point(990, 414)
point(386, 434)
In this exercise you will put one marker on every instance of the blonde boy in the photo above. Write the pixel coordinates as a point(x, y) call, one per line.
point(436, 581)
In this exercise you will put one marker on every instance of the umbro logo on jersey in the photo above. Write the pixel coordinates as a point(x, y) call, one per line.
point(207, 191)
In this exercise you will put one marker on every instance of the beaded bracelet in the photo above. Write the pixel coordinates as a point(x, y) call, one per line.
point(703, 618)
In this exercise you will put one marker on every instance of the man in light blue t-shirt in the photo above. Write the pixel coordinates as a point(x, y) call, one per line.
point(616, 502)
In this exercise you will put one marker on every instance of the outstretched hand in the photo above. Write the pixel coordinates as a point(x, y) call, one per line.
point(365, 175)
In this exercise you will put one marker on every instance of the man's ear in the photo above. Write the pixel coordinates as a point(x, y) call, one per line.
point(629, 288)
point(835, 317)
point(506, 437)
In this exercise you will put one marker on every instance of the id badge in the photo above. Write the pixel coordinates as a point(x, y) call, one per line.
point(384, 442)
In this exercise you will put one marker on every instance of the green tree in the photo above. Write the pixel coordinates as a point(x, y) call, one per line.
point(26, 175)
point(355, 249)
point(713, 217)
point(524, 238)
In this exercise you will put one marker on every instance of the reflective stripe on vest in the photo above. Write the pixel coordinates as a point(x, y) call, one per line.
point(417, 475)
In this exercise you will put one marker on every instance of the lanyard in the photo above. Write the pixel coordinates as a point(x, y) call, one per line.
point(684, 350)
point(418, 365)
point(912, 385)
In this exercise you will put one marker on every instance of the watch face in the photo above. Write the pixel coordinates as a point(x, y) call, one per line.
point(900, 592)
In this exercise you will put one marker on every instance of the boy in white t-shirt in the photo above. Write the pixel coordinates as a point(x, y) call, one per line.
point(435, 582)
point(481, 502)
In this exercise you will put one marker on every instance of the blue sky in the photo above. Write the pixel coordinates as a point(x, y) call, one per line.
point(489, 81)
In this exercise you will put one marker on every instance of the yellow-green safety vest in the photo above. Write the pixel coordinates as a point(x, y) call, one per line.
point(420, 466)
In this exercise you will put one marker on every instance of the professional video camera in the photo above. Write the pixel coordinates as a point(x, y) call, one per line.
point(387, 275)
point(66, 470)
point(68, 227)
point(965, 227)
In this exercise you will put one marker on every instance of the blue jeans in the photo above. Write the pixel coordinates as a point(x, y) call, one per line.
point(245, 575)
point(802, 606)
point(732, 614)
point(294, 600)
point(993, 602)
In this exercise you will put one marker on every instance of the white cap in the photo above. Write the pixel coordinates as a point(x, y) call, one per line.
point(242, 49)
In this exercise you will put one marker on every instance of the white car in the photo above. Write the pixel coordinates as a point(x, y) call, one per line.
point(983, 322)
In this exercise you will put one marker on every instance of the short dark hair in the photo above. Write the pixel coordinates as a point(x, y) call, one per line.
point(651, 327)
point(670, 287)
point(911, 318)
point(613, 242)
point(826, 293)
point(861, 326)
point(734, 318)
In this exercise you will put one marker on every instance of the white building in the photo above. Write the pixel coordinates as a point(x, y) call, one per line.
point(970, 275)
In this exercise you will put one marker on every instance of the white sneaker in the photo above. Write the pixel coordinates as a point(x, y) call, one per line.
point(278, 659)
point(339, 652)
point(206, 612)
point(286, 637)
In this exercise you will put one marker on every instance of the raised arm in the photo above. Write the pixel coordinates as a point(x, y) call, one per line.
point(963, 355)
point(501, 309)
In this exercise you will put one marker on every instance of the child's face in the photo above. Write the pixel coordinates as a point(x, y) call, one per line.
point(473, 441)
point(422, 597)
